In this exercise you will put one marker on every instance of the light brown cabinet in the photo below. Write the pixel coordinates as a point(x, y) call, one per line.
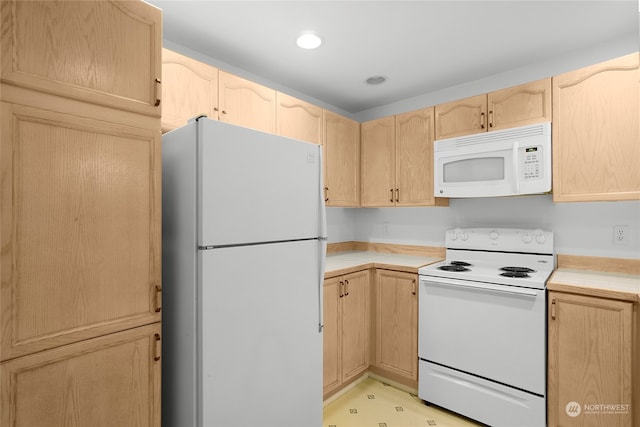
point(112, 380)
point(520, 105)
point(246, 103)
point(397, 160)
point(52, 46)
point(298, 119)
point(396, 326)
point(189, 89)
point(80, 213)
point(341, 149)
point(596, 132)
point(591, 361)
point(346, 329)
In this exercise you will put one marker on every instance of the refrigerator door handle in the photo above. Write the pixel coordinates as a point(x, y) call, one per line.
point(322, 241)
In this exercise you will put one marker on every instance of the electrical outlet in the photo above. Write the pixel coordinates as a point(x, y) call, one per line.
point(620, 234)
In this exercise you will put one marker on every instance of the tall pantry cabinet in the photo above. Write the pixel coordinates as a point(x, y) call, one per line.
point(80, 225)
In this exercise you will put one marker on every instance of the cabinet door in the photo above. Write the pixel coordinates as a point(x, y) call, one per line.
point(104, 52)
point(341, 160)
point(298, 119)
point(462, 117)
point(414, 158)
point(596, 132)
point(245, 103)
point(520, 105)
point(355, 325)
point(378, 162)
point(331, 375)
point(109, 381)
point(589, 360)
point(80, 228)
point(189, 89)
point(397, 323)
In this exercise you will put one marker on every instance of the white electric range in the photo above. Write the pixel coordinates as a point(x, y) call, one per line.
point(482, 325)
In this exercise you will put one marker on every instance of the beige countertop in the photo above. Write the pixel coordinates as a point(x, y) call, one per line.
point(596, 283)
point(347, 262)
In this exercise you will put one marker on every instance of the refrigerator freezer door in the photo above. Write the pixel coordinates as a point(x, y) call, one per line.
point(261, 360)
point(256, 187)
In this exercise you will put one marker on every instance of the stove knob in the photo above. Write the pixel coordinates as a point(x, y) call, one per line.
point(454, 236)
point(464, 236)
point(541, 239)
point(493, 235)
point(526, 238)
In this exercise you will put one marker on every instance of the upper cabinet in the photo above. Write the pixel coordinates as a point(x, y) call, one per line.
point(397, 160)
point(596, 136)
point(298, 119)
point(515, 106)
point(245, 103)
point(51, 47)
point(189, 89)
point(341, 152)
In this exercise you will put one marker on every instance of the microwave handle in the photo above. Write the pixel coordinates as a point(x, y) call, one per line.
point(516, 170)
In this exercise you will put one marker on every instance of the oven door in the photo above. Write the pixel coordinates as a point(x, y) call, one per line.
point(496, 332)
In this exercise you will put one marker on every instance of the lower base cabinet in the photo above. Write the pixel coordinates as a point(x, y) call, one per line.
point(113, 380)
point(346, 329)
point(591, 363)
point(396, 326)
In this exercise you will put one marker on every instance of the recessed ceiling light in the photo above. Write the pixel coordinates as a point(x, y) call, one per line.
point(309, 41)
point(376, 80)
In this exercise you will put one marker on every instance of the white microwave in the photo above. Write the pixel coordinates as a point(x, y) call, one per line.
point(506, 162)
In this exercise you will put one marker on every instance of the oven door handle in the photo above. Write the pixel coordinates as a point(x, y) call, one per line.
point(481, 286)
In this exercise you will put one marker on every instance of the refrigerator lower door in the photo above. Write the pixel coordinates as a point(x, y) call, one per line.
point(256, 187)
point(261, 350)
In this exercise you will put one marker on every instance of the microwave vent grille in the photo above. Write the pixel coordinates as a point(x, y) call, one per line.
point(490, 137)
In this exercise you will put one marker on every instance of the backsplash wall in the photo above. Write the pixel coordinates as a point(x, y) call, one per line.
point(579, 228)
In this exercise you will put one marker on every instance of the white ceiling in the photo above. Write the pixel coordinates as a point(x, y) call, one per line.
point(419, 46)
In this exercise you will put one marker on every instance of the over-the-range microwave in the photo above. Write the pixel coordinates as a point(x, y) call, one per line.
point(506, 162)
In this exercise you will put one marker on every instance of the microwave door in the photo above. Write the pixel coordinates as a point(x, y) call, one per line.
point(486, 174)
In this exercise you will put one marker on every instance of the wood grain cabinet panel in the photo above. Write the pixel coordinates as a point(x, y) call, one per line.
point(520, 105)
point(80, 228)
point(189, 89)
point(51, 46)
point(346, 331)
point(596, 132)
point(397, 160)
point(245, 103)
point(103, 382)
point(378, 162)
point(590, 361)
point(396, 326)
point(298, 119)
point(341, 149)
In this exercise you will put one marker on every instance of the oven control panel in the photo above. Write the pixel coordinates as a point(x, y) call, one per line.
point(500, 239)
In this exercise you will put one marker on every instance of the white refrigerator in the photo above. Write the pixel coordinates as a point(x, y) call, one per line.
point(244, 240)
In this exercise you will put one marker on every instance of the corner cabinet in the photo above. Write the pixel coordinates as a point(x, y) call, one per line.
point(341, 148)
point(397, 160)
point(346, 329)
point(80, 228)
point(520, 105)
point(189, 89)
point(396, 326)
point(591, 361)
point(596, 132)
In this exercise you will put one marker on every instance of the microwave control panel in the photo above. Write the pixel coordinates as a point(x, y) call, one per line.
point(531, 162)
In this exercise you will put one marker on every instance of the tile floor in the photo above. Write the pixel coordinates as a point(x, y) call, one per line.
point(374, 404)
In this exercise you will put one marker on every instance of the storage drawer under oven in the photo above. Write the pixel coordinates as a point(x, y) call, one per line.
point(493, 331)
